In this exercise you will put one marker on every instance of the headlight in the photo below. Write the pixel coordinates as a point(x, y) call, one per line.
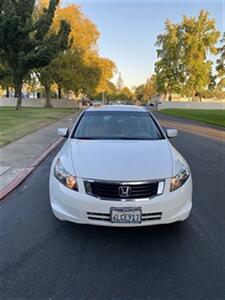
point(178, 180)
point(64, 177)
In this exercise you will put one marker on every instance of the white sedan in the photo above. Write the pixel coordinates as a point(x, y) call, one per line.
point(118, 168)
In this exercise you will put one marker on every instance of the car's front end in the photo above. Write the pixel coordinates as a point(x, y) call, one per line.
point(82, 207)
point(120, 182)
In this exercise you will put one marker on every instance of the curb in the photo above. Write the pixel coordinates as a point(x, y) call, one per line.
point(28, 170)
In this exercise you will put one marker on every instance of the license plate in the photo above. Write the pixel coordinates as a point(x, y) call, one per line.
point(126, 215)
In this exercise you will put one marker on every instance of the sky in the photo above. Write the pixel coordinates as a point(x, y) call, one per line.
point(129, 30)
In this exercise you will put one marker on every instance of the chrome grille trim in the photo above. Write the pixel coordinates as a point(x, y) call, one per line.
point(108, 190)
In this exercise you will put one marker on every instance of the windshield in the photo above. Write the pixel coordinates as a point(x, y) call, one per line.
point(129, 125)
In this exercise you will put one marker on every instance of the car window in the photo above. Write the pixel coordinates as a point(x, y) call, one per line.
point(117, 125)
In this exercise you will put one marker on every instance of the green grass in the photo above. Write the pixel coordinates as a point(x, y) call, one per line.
point(15, 124)
point(209, 116)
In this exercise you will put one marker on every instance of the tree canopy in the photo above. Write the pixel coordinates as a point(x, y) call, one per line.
point(221, 63)
point(169, 67)
point(199, 38)
point(26, 43)
point(79, 69)
point(60, 45)
point(145, 92)
point(182, 64)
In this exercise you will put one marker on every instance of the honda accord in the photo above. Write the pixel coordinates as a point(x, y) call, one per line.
point(117, 167)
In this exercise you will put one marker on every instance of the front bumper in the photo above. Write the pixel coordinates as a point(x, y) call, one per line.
point(81, 208)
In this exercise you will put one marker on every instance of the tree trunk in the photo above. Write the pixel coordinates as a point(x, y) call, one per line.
point(193, 95)
point(19, 86)
point(103, 98)
point(170, 96)
point(59, 92)
point(7, 92)
point(48, 96)
point(200, 97)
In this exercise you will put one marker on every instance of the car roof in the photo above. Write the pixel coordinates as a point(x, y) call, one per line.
point(118, 108)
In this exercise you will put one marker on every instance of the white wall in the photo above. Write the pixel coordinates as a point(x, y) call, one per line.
point(29, 102)
point(192, 105)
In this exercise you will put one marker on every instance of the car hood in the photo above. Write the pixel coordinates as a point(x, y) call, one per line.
point(121, 160)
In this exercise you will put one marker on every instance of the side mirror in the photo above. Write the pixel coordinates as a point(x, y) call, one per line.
point(171, 133)
point(64, 132)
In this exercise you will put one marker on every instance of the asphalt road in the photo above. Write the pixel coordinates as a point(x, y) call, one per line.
point(43, 258)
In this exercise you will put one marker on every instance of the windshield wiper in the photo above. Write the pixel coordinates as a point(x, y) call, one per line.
point(84, 138)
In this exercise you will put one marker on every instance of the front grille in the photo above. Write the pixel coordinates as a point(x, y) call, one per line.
point(95, 216)
point(112, 191)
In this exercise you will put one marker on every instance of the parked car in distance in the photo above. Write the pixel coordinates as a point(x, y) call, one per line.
point(117, 167)
point(97, 103)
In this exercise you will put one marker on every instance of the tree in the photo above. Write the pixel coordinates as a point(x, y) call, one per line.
point(221, 63)
point(150, 87)
point(212, 81)
point(107, 68)
point(71, 73)
point(46, 78)
point(84, 36)
point(84, 32)
point(140, 92)
point(183, 48)
point(5, 78)
point(79, 69)
point(26, 43)
point(126, 94)
point(199, 36)
point(169, 67)
point(145, 92)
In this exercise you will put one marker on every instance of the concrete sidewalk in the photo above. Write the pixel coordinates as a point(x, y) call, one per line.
point(21, 156)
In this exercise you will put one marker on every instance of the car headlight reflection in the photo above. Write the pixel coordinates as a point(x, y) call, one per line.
point(178, 180)
point(64, 177)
